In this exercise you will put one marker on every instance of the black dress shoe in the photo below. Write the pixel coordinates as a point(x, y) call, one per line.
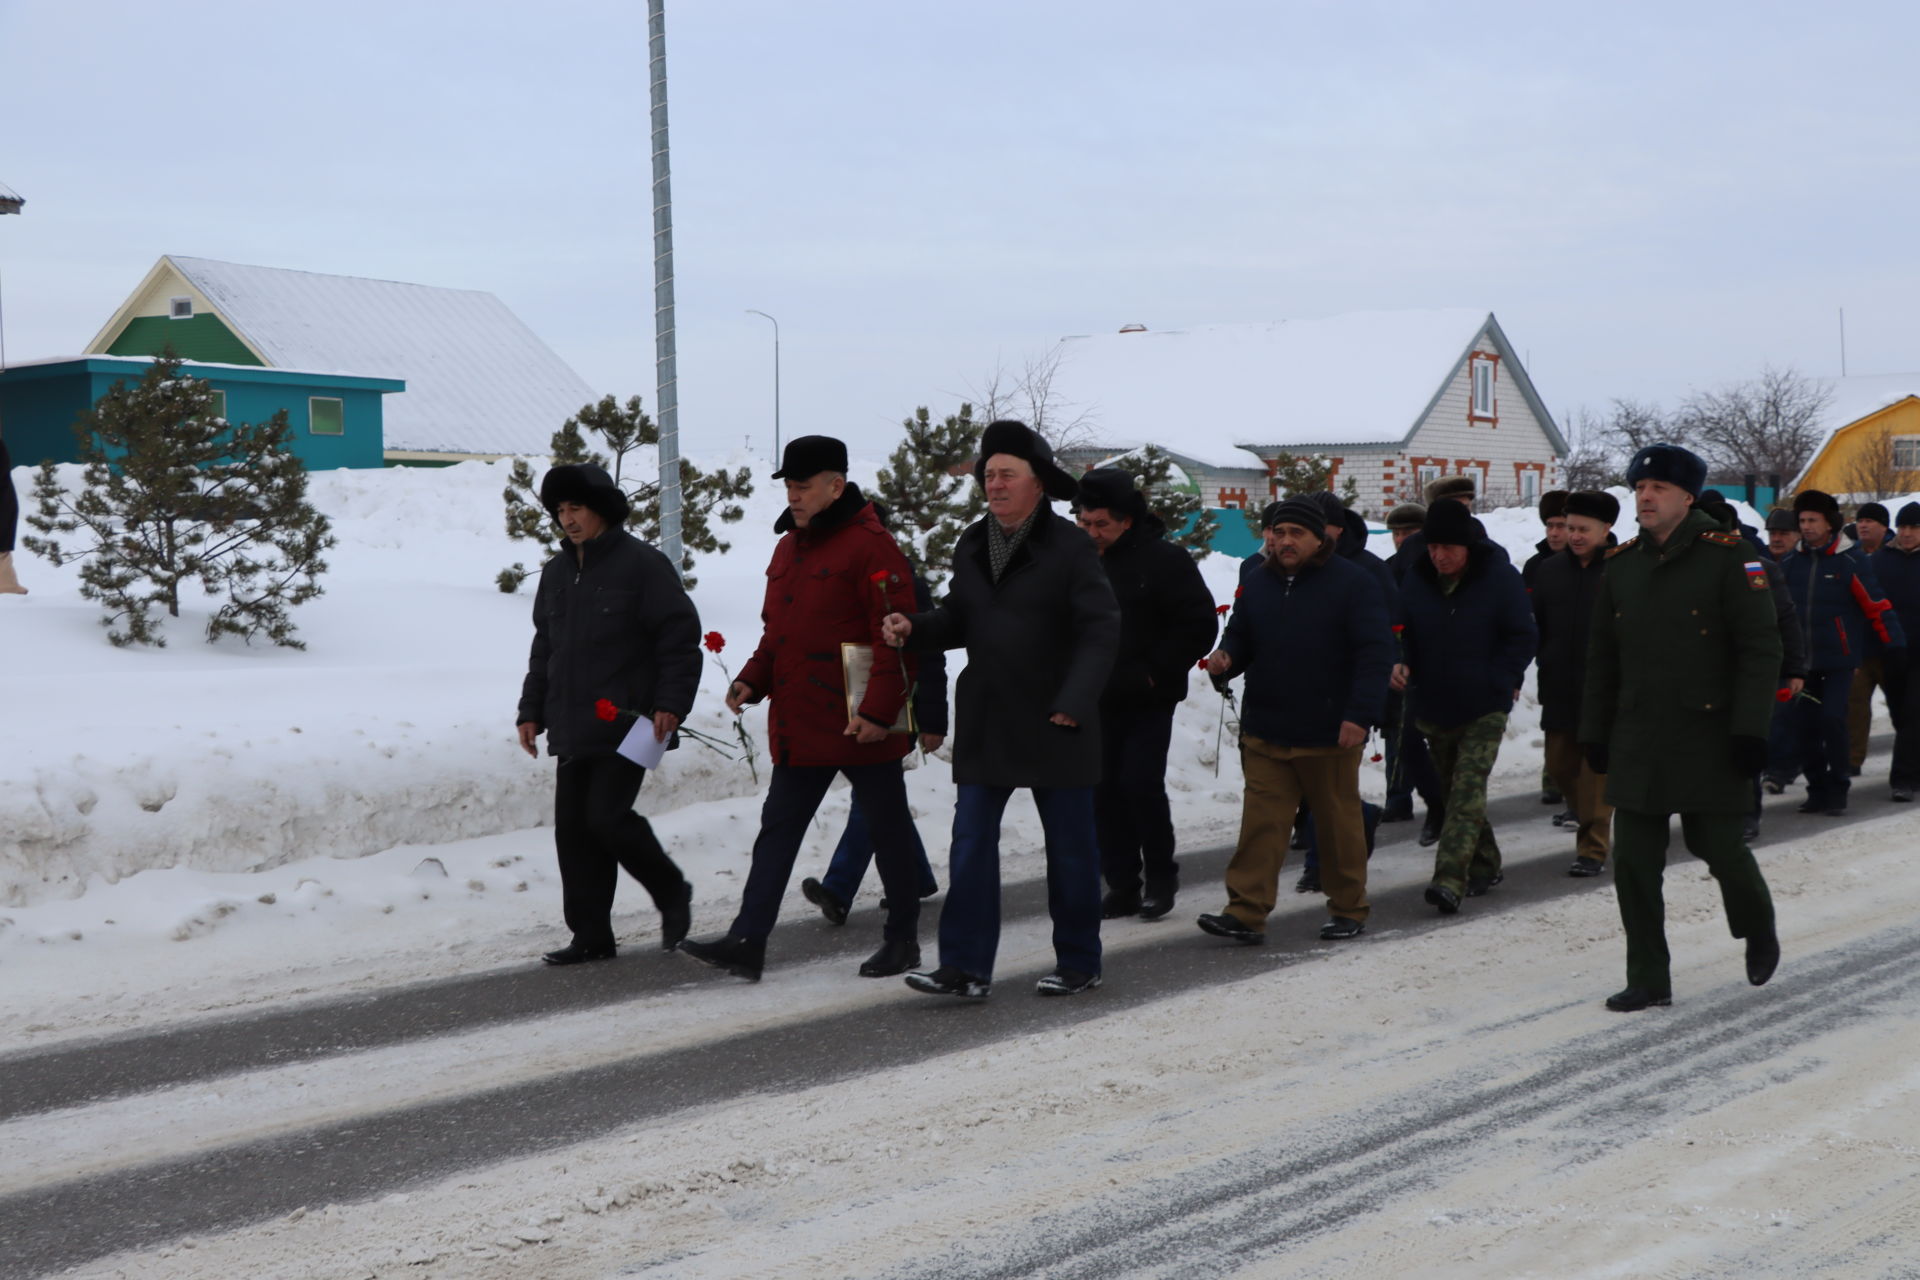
point(1225, 926)
point(1903, 795)
point(1634, 999)
point(949, 981)
point(1340, 927)
point(1478, 885)
point(1566, 818)
point(1763, 957)
point(1584, 867)
point(1750, 830)
point(1155, 903)
point(1309, 882)
point(741, 957)
point(1430, 829)
point(675, 919)
point(1444, 898)
point(1066, 982)
point(822, 897)
point(896, 956)
point(1116, 904)
point(574, 953)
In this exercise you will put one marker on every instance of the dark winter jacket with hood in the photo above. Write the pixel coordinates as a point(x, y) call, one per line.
point(1414, 550)
point(610, 620)
point(830, 583)
point(1041, 640)
point(1167, 618)
point(1838, 602)
point(1316, 649)
point(1562, 596)
point(1899, 574)
point(1467, 648)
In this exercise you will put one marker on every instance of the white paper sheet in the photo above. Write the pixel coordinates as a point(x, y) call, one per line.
point(640, 747)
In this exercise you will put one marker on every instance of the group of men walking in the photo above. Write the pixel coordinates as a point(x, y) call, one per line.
point(1661, 665)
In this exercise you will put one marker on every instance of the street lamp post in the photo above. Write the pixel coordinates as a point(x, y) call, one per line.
point(776, 380)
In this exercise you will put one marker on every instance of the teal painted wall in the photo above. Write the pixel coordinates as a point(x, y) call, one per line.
point(38, 405)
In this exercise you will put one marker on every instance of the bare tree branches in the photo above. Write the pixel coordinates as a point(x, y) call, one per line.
point(1768, 426)
point(1027, 394)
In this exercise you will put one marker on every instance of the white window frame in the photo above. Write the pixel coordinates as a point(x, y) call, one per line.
point(219, 405)
point(1426, 473)
point(1906, 453)
point(179, 308)
point(1529, 486)
point(312, 401)
point(1482, 380)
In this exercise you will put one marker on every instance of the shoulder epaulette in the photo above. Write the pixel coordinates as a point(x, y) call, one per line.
point(1614, 551)
point(1719, 539)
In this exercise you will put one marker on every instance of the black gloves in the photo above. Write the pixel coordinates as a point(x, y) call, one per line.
point(1749, 755)
point(1596, 753)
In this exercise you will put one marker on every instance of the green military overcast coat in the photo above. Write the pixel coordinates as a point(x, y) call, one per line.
point(1685, 656)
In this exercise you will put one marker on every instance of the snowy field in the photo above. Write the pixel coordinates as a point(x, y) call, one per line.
point(202, 831)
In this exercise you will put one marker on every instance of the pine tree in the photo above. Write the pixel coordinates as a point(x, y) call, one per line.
point(1188, 522)
point(174, 494)
point(623, 431)
point(1301, 474)
point(928, 489)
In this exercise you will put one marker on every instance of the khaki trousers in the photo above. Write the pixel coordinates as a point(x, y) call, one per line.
point(1277, 779)
point(1586, 793)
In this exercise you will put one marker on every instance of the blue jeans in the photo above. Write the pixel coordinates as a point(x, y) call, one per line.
point(855, 851)
point(793, 797)
point(970, 922)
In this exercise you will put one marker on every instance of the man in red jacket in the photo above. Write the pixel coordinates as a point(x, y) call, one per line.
point(834, 576)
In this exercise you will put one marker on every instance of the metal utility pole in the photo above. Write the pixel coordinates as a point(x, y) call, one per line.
point(1843, 342)
point(666, 388)
point(776, 381)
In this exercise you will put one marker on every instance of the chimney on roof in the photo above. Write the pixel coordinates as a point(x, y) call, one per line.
point(1133, 328)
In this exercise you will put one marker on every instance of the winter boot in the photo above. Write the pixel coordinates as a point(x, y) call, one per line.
point(741, 957)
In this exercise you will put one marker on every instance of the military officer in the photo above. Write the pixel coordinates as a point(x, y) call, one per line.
point(1680, 683)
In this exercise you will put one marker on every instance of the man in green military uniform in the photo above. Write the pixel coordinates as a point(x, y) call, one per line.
point(1680, 689)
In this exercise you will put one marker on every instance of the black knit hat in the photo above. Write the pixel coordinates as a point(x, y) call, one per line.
point(1018, 440)
point(587, 485)
point(1909, 514)
point(1671, 464)
point(1782, 520)
point(1816, 501)
point(1873, 511)
point(1594, 504)
point(1449, 524)
point(1303, 511)
point(1553, 505)
point(807, 456)
point(1111, 489)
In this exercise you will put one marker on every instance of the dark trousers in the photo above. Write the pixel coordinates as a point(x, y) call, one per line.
point(596, 832)
point(1131, 812)
point(793, 797)
point(1783, 743)
point(854, 854)
point(1640, 863)
point(1822, 736)
point(1409, 763)
point(1903, 699)
point(970, 921)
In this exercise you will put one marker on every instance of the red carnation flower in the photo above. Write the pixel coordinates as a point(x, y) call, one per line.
point(1202, 664)
point(1783, 695)
point(715, 642)
point(1237, 591)
point(1221, 608)
point(880, 575)
point(1377, 757)
point(606, 710)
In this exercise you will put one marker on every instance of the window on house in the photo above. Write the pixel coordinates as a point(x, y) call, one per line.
point(1906, 453)
point(1530, 487)
point(219, 406)
point(180, 308)
point(325, 417)
point(1483, 388)
point(1428, 473)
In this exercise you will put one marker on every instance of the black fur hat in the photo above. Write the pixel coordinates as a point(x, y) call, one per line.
point(1021, 441)
point(1823, 503)
point(1669, 463)
point(588, 485)
point(1553, 505)
point(1595, 505)
point(1111, 489)
point(1450, 524)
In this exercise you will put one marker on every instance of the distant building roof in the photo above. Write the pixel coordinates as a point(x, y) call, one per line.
point(478, 380)
point(1851, 399)
point(10, 200)
point(1213, 392)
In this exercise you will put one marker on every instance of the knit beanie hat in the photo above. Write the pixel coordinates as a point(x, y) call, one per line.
point(1909, 514)
point(1302, 511)
point(1873, 511)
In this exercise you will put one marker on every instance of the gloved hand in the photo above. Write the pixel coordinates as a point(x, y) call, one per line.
point(1596, 753)
point(1749, 755)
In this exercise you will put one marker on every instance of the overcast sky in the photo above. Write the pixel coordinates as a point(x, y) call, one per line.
point(1651, 197)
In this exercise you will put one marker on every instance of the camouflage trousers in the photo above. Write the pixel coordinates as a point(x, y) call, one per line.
point(1464, 756)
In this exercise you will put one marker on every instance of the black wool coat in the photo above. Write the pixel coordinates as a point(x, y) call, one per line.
point(1167, 619)
point(1041, 640)
point(1563, 594)
point(1468, 649)
point(617, 626)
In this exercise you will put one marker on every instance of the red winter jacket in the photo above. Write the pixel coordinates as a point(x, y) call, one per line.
point(821, 591)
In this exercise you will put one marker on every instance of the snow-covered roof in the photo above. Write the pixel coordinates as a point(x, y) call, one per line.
point(10, 200)
point(478, 380)
point(1852, 399)
point(1214, 391)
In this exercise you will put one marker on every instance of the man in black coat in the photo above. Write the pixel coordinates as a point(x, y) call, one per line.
point(1897, 563)
point(1469, 637)
point(1167, 624)
point(611, 624)
point(1553, 515)
point(1564, 588)
point(1310, 632)
point(1031, 606)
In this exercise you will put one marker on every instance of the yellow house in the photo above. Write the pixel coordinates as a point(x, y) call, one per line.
point(1872, 445)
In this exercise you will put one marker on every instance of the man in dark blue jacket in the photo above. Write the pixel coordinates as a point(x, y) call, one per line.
point(1469, 637)
point(1838, 600)
point(1897, 564)
point(1310, 633)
